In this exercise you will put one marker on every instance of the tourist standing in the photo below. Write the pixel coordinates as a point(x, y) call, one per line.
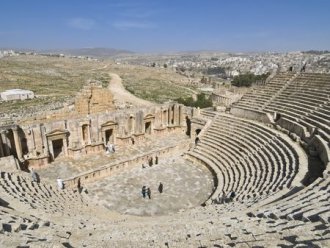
point(34, 176)
point(160, 188)
point(79, 185)
point(144, 191)
point(60, 183)
point(149, 193)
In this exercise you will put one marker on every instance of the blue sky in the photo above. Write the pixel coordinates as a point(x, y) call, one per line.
point(167, 25)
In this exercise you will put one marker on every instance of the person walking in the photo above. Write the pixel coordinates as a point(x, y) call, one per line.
point(79, 185)
point(60, 183)
point(34, 176)
point(149, 193)
point(160, 188)
point(144, 191)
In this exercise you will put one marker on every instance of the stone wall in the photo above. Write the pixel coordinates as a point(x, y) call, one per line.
point(93, 99)
point(37, 143)
point(250, 114)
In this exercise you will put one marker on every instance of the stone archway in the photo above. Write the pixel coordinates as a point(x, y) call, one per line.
point(148, 121)
point(10, 142)
point(108, 132)
point(57, 141)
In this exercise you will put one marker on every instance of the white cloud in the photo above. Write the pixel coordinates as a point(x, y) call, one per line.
point(81, 23)
point(133, 25)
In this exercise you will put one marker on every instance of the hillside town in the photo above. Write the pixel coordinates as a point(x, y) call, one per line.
point(233, 64)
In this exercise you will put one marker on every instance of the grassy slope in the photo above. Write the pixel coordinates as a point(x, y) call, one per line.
point(153, 84)
point(59, 79)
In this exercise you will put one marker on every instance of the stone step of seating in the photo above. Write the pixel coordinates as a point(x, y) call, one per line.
point(317, 122)
point(38, 195)
point(282, 156)
point(307, 205)
point(208, 113)
point(285, 112)
point(237, 152)
point(221, 175)
point(222, 140)
point(318, 97)
point(325, 217)
point(255, 101)
point(292, 89)
point(222, 156)
point(319, 114)
point(227, 183)
point(314, 214)
point(288, 103)
point(265, 142)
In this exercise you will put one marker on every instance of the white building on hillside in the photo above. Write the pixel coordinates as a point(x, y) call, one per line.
point(16, 94)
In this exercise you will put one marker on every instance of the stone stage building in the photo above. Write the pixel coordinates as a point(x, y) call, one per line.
point(37, 143)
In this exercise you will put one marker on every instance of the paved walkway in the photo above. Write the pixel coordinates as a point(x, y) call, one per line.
point(185, 185)
point(68, 167)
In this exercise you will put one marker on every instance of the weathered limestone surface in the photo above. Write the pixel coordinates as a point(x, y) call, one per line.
point(94, 99)
point(264, 164)
point(38, 143)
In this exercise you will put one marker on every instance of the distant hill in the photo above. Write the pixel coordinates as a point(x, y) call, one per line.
point(91, 52)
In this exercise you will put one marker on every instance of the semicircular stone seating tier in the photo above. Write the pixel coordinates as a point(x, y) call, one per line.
point(42, 196)
point(303, 99)
point(250, 159)
point(309, 204)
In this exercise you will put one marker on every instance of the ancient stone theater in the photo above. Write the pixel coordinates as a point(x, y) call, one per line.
point(255, 174)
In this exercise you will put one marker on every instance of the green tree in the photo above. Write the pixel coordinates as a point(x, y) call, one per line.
point(246, 80)
point(201, 101)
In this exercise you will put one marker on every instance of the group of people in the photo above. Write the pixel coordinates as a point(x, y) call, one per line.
point(35, 178)
point(150, 162)
point(224, 198)
point(146, 191)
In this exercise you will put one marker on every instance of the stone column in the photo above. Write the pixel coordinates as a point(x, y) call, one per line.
point(65, 145)
point(152, 124)
point(2, 153)
point(5, 143)
point(131, 125)
point(89, 134)
point(114, 134)
point(166, 121)
point(176, 115)
point(33, 138)
point(139, 122)
point(80, 131)
point(104, 137)
point(18, 145)
point(161, 117)
point(50, 148)
point(182, 116)
point(169, 111)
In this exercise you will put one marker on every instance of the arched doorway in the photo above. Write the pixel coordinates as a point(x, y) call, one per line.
point(109, 130)
point(57, 141)
point(148, 123)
